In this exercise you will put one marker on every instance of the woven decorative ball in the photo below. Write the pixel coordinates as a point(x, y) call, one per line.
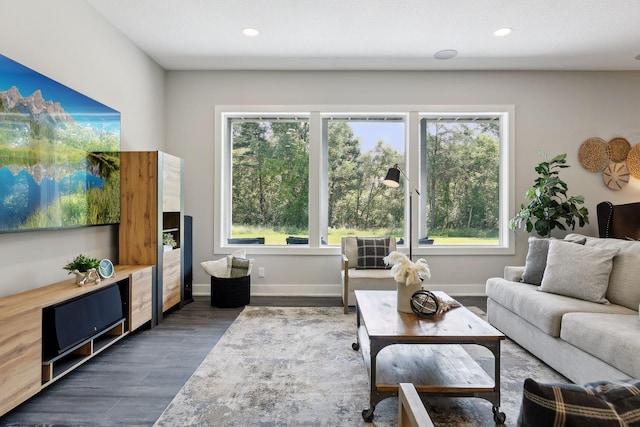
point(618, 149)
point(633, 161)
point(593, 154)
point(616, 176)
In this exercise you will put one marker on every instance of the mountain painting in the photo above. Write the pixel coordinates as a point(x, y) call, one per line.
point(59, 154)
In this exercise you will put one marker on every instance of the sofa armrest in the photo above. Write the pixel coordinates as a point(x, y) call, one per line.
point(345, 262)
point(513, 272)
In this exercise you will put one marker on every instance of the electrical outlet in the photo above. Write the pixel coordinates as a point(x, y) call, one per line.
point(261, 272)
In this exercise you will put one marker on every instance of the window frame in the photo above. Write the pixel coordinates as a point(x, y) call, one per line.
point(318, 203)
point(506, 239)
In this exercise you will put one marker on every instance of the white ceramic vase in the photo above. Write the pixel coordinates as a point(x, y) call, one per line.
point(404, 295)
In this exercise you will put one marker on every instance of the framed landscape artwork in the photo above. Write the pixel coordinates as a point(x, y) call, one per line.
point(59, 154)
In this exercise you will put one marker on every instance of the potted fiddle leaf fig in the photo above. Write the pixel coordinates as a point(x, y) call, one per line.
point(547, 204)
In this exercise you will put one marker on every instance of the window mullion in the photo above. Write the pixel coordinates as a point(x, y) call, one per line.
point(413, 164)
point(317, 177)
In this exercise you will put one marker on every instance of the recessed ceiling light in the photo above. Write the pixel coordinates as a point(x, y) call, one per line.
point(445, 54)
point(502, 32)
point(250, 32)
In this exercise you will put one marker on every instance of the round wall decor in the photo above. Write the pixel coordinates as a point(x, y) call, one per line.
point(593, 154)
point(616, 176)
point(618, 149)
point(633, 161)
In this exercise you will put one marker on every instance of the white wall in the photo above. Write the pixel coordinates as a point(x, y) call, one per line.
point(68, 41)
point(555, 112)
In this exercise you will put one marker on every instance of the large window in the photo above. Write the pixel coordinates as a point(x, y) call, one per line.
point(359, 151)
point(300, 181)
point(460, 175)
point(269, 179)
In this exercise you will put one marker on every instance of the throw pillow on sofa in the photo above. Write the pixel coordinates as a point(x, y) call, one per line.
point(597, 404)
point(537, 259)
point(578, 271)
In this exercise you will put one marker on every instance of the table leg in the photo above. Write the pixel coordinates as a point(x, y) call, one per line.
point(374, 396)
point(498, 417)
point(356, 345)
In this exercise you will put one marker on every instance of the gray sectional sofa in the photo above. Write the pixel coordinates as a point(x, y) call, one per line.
point(582, 318)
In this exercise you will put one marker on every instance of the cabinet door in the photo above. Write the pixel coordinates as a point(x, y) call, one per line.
point(171, 185)
point(171, 273)
point(140, 308)
point(139, 215)
point(20, 357)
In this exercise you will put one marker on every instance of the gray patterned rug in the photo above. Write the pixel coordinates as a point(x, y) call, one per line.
point(286, 366)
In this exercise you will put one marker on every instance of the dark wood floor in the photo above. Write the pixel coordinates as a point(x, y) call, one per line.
point(132, 382)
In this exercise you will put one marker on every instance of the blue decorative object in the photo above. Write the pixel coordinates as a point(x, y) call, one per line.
point(105, 268)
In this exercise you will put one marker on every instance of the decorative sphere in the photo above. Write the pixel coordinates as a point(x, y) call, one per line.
point(424, 303)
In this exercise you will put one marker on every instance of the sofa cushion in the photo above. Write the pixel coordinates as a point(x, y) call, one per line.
point(624, 281)
point(624, 288)
point(541, 309)
point(597, 404)
point(578, 271)
point(536, 261)
point(371, 252)
point(612, 338)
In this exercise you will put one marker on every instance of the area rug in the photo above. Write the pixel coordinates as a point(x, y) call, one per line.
point(287, 366)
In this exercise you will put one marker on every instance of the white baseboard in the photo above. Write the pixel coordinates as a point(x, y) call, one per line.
point(333, 290)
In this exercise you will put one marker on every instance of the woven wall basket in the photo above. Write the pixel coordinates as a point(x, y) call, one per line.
point(616, 176)
point(593, 154)
point(633, 161)
point(618, 149)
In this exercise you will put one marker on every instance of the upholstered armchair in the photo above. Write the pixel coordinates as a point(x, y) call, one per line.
point(366, 271)
point(619, 221)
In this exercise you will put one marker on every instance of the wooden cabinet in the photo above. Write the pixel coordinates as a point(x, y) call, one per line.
point(20, 356)
point(140, 309)
point(24, 369)
point(151, 204)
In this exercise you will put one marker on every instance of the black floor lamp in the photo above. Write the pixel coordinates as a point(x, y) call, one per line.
point(393, 180)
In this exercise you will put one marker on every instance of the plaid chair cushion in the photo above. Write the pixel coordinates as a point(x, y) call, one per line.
point(597, 404)
point(371, 251)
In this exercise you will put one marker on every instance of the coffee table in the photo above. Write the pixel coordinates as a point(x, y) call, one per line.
point(402, 348)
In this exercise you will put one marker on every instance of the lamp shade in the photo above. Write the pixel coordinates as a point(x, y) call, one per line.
point(393, 177)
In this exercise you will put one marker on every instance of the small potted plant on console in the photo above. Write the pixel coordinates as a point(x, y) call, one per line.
point(84, 268)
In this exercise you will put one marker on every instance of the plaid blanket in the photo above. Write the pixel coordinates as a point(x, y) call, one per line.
point(596, 404)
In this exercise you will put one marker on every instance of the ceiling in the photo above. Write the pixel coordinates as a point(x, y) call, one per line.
point(381, 34)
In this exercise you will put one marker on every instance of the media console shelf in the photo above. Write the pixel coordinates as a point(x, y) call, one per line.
point(62, 364)
point(34, 354)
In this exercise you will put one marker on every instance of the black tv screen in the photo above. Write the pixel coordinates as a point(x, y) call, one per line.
point(59, 154)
